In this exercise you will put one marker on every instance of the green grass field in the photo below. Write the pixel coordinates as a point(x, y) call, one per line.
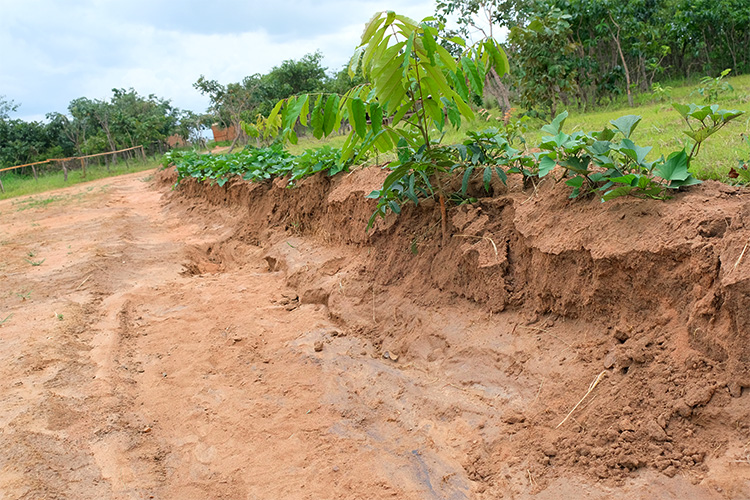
point(17, 185)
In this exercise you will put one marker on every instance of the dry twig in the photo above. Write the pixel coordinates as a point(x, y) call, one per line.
point(591, 388)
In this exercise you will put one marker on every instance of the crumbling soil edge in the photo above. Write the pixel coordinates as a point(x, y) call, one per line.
point(665, 281)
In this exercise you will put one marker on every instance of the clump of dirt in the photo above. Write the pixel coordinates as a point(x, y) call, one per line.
point(649, 299)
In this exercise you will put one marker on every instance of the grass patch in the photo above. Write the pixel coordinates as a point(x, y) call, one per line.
point(18, 185)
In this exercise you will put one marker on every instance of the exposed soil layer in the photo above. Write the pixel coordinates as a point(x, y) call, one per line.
point(253, 341)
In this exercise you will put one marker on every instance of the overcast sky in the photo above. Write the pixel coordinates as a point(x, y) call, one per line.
point(54, 51)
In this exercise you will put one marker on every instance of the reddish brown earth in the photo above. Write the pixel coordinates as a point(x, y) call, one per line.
point(254, 342)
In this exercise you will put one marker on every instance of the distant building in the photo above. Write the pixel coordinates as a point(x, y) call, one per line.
point(223, 134)
point(175, 141)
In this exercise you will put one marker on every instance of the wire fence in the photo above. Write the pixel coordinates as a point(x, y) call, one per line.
point(76, 163)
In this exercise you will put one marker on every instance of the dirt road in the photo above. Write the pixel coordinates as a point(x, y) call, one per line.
point(134, 366)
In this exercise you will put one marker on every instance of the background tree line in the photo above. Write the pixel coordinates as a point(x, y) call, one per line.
point(257, 94)
point(582, 53)
point(128, 119)
point(92, 126)
point(588, 52)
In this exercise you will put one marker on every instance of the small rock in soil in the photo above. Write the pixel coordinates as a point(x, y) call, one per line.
point(318, 346)
point(390, 355)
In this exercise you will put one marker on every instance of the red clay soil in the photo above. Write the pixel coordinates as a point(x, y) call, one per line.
point(253, 341)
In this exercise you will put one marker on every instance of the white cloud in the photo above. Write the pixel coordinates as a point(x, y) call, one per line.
point(58, 51)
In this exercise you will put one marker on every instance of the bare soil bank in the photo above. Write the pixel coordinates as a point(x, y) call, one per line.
point(254, 342)
point(534, 298)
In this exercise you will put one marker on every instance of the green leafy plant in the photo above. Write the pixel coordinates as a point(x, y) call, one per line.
point(661, 93)
point(610, 163)
point(713, 87)
point(416, 88)
point(256, 164)
point(260, 130)
point(35, 263)
point(312, 161)
point(6, 319)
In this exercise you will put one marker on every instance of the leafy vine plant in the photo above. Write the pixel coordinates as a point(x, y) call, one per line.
point(415, 88)
point(610, 164)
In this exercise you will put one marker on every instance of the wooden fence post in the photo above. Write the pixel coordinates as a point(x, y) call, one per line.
point(2, 188)
point(33, 170)
point(65, 171)
point(83, 167)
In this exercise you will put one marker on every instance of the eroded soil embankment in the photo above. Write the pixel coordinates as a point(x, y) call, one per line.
point(653, 296)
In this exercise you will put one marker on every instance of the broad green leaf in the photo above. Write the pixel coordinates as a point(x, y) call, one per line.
point(546, 165)
point(407, 55)
point(383, 141)
point(501, 174)
point(637, 153)
point(356, 60)
point(536, 25)
point(459, 84)
point(390, 17)
point(391, 92)
point(701, 134)
point(429, 43)
point(465, 180)
point(384, 66)
point(448, 61)
point(576, 164)
point(626, 124)
point(347, 150)
point(274, 113)
point(435, 112)
point(358, 116)
point(329, 117)
point(617, 192)
point(561, 139)
point(293, 110)
point(398, 115)
point(681, 108)
point(373, 25)
point(555, 127)
point(316, 120)
point(605, 135)
point(305, 111)
point(463, 108)
point(292, 135)
point(470, 69)
point(699, 113)
point(487, 177)
point(576, 183)
point(630, 179)
point(439, 79)
point(675, 168)
point(374, 46)
point(499, 59)
point(689, 181)
point(376, 116)
point(453, 114)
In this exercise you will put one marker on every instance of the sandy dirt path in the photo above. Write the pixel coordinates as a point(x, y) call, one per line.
point(133, 367)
